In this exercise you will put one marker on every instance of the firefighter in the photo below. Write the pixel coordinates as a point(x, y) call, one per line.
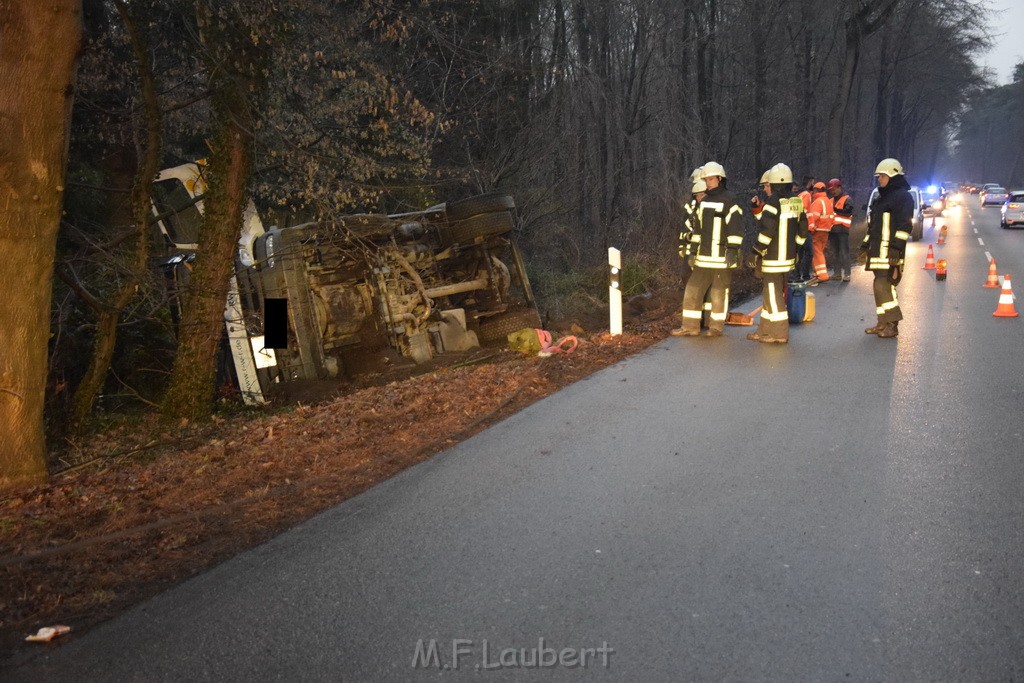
point(839, 238)
point(690, 207)
point(819, 224)
point(697, 191)
point(716, 243)
point(886, 241)
point(783, 229)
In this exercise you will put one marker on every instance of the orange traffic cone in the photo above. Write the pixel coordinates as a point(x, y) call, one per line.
point(929, 263)
point(942, 235)
point(1005, 308)
point(993, 276)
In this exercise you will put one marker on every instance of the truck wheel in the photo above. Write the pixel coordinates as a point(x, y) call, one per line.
point(482, 225)
point(917, 232)
point(498, 327)
point(483, 203)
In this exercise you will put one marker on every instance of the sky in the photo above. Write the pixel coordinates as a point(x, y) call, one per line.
point(1006, 22)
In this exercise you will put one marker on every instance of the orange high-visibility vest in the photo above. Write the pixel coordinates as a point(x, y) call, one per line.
point(843, 208)
point(821, 215)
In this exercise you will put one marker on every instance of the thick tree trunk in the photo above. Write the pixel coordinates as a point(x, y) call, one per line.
point(38, 54)
point(192, 383)
point(859, 25)
point(837, 117)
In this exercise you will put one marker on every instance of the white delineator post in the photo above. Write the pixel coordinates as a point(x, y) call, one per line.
point(614, 291)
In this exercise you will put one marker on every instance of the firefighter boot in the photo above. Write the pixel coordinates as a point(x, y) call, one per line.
point(879, 326)
point(684, 332)
point(765, 339)
point(890, 330)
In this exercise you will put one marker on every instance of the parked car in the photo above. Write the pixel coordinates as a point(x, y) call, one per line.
point(917, 222)
point(994, 195)
point(985, 190)
point(343, 293)
point(1012, 213)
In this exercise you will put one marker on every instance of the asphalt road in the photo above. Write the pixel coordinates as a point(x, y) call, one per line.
point(841, 507)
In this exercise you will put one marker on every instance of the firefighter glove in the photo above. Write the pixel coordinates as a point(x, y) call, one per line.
point(895, 274)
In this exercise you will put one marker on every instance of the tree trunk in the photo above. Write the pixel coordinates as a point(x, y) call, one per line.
point(38, 56)
point(234, 69)
point(837, 117)
point(109, 313)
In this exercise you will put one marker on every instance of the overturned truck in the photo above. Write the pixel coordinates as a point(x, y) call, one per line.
point(335, 293)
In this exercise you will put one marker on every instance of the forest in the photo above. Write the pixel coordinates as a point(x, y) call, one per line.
point(591, 113)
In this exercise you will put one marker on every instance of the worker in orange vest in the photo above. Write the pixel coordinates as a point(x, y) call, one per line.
point(839, 238)
point(820, 218)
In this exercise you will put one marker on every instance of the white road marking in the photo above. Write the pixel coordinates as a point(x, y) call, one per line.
point(981, 242)
point(988, 257)
point(975, 231)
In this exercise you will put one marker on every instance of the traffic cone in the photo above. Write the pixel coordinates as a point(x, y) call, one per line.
point(1005, 308)
point(929, 263)
point(942, 235)
point(993, 276)
point(940, 270)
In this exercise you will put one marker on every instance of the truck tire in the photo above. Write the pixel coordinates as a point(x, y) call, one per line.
point(498, 327)
point(483, 203)
point(481, 225)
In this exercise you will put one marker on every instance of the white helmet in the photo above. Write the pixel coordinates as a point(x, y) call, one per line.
point(699, 186)
point(778, 174)
point(889, 167)
point(697, 174)
point(712, 168)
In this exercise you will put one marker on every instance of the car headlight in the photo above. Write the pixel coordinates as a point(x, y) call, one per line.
point(937, 204)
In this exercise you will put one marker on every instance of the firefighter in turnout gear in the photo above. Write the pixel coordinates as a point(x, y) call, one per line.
point(690, 211)
point(690, 220)
point(715, 243)
point(783, 229)
point(839, 238)
point(885, 243)
point(819, 224)
point(686, 249)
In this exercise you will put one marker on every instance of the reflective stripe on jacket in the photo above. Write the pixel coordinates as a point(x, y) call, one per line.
point(820, 216)
point(889, 229)
point(719, 228)
point(689, 223)
point(783, 229)
point(843, 208)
